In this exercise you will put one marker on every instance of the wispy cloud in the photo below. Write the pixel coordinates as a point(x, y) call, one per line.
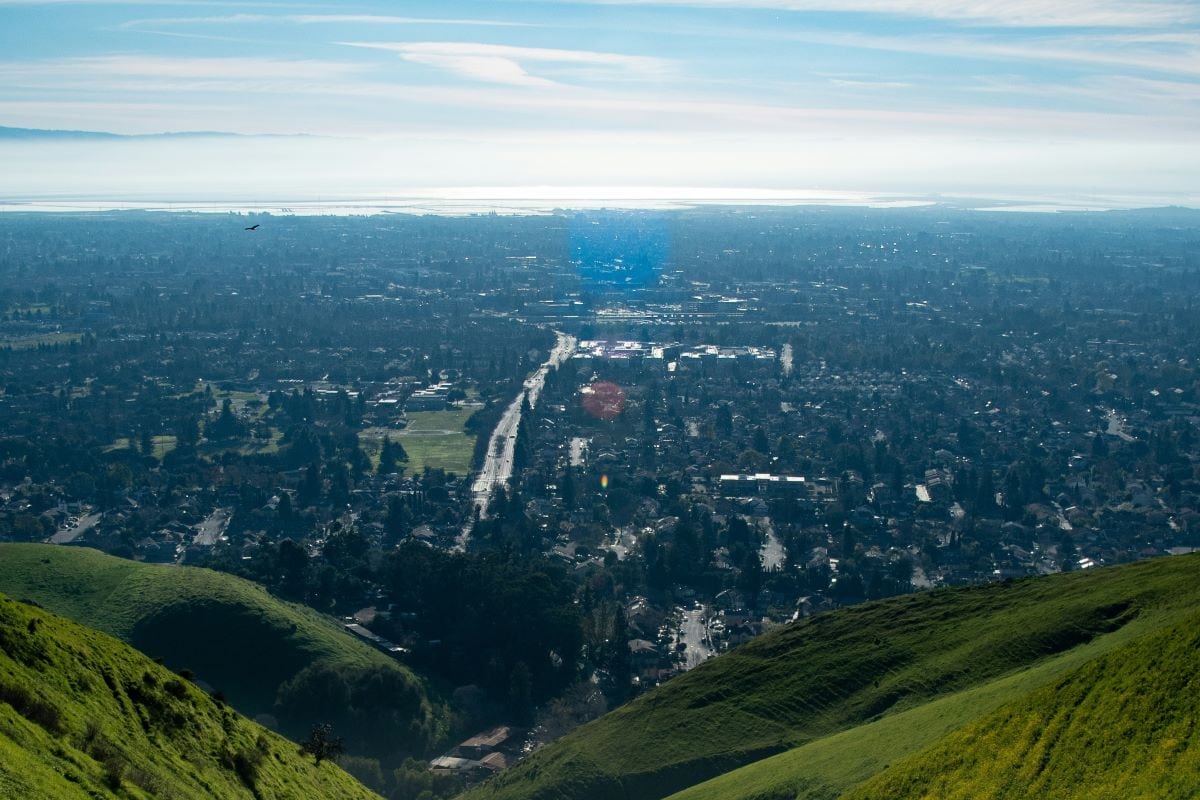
point(196, 3)
point(321, 19)
point(226, 19)
point(1107, 90)
point(1006, 13)
point(1166, 53)
point(384, 19)
point(856, 83)
point(131, 73)
point(262, 89)
point(506, 64)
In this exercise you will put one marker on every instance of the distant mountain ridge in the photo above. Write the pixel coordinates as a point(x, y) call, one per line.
point(52, 134)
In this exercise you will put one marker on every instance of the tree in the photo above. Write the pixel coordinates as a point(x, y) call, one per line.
point(310, 488)
point(187, 431)
point(284, 511)
point(293, 568)
point(339, 484)
point(226, 425)
point(751, 577)
point(520, 692)
point(760, 442)
point(724, 420)
point(568, 487)
point(389, 456)
point(321, 744)
point(398, 520)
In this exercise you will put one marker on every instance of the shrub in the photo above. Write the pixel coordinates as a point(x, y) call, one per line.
point(366, 770)
point(32, 708)
point(114, 770)
point(247, 761)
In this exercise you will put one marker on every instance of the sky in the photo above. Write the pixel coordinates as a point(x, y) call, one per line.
point(991, 98)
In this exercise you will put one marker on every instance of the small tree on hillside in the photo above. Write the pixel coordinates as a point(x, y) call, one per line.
point(321, 744)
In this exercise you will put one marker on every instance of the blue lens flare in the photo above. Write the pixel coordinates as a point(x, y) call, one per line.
point(615, 250)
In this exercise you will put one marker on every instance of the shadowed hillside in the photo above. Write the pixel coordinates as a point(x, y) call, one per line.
point(266, 656)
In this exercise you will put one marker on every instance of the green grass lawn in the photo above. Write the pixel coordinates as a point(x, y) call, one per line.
point(85, 717)
point(255, 446)
point(162, 444)
point(248, 447)
point(432, 438)
point(29, 342)
point(909, 669)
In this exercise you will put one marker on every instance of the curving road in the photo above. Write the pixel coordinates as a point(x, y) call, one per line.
point(498, 463)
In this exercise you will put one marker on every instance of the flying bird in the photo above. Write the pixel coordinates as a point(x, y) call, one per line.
point(254, 227)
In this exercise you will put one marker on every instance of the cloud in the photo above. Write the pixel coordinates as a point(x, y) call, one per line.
point(490, 69)
point(138, 75)
point(198, 3)
point(1167, 53)
point(287, 96)
point(1004, 13)
point(1107, 90)
point(317, 19)
point(226, 19)
point(505, 64)
point(384, 19)
point(852, 83)
point(227, 68)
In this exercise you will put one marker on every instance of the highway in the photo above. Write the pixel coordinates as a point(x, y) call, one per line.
point(498, 463)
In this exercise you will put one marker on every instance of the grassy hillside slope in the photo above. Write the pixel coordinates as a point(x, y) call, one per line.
point(826, 768)
point(832, 673)
point(1123, 726)
point(85, 716)
point(266, 656)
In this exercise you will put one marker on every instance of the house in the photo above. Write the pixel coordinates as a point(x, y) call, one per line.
point(481, 744)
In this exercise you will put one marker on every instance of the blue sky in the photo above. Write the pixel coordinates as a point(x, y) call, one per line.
point(994, 97)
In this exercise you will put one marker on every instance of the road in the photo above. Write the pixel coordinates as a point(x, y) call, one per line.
point(213, 526)
point(579, 446)
point(695, 636)
point(621, 542)
point(772, 553)
point(498, 463)
point(1116, 427)
point(209, 532)
point(84, 525)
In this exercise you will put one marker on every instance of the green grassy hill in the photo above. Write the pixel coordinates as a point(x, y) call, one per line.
point(837, 698)
point(266, 656)
point(1123, 726)
point(84, 716)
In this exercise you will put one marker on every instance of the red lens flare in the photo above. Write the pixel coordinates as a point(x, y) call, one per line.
point(603, 400)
